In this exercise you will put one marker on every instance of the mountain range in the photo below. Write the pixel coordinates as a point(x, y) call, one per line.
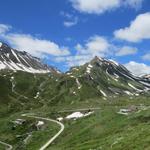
point(98, 77)
point(97, 91)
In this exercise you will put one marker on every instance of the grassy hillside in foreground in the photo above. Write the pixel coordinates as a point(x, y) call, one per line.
point(2, 147)
point(26, 136)
point(106, 129)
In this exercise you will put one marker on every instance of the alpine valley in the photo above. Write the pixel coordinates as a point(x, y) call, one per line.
point(97, 106)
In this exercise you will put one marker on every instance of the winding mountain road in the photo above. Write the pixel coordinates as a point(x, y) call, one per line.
point(55, 136)
point(32, 115)
point(9, 147)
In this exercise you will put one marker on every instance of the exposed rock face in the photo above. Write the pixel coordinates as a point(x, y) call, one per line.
point(12, 59)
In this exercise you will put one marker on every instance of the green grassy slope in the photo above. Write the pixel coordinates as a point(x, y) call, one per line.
point(106, 129)
point(15, 134)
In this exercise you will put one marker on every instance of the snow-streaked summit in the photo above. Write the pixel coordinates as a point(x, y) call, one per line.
point(12, 59)
point(1, 44)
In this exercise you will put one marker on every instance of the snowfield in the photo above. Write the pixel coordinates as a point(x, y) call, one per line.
point(77, 115)
point(104, 94)
point(88, 69)
point(78, 84)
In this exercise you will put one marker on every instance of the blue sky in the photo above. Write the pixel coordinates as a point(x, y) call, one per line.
point(65, 33)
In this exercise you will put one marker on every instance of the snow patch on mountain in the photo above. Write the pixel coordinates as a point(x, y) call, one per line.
point(2, 66)
point(113, 62)
point(37, 95)
point(21, 61)
point(128, 93)
point(77, 115)
point(88, 69)
point(78, 83)
point(134, 87)
point(116, 76)
point(15, 56)
point(104, 94)
point(145, 83)
point(0, 44)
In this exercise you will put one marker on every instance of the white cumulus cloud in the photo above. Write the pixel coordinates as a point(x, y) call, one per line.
point(70, 19)
point(71, 22)
point(126, 50)
point(138, 68)
point(95, 45)
point(33, 45)
point(138, 30)
point(76, 60)
point(146, 57)
point(134, 3)
point(4, 28)
point(101, 6)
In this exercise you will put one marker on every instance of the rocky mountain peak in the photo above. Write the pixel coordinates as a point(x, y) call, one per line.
point(15, 60)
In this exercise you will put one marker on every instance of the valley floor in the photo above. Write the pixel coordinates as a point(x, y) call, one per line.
point(104, 129)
